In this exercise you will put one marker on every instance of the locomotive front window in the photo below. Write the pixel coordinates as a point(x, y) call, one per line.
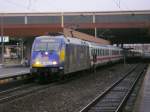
point(53, 46)
point(46, 46)
point(40, 47)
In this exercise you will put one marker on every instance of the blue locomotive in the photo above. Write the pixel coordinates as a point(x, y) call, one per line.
point(59, 55)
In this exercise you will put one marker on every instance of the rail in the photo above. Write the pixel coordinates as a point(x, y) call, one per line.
point(112, 92)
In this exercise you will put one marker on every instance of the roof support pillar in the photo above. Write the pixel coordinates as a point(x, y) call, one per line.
point(62, 20)
point(95, 29)
point(25, 20)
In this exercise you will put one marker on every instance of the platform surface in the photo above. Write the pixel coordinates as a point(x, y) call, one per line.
point(11, 71)
point(143, 100)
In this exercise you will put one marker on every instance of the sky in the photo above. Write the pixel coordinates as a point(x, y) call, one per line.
point(72, 5)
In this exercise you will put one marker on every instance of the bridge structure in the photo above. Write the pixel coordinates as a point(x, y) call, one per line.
point(116, 26)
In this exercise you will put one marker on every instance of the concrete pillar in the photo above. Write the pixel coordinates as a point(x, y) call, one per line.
point(25, 20)
point(95, 29)
point(62, 20)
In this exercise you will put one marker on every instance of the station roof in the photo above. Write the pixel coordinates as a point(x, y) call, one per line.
point(117, 26)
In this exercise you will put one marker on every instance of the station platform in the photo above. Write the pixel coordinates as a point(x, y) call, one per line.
point(143, 101)
point(13, 71)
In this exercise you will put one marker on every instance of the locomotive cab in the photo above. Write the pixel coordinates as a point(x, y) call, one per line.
point(47, 55)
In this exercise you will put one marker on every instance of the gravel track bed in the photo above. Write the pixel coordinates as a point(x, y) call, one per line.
point(71, 96)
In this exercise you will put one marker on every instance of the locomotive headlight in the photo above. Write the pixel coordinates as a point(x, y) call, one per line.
point(46, 53)
point(37, 62)
point(54, 62)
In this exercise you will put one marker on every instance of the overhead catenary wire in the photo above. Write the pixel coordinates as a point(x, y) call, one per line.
point(29, 4)
point(122, 5)
point(16, 4)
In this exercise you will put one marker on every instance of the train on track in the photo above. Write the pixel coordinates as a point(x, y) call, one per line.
point(59, 55)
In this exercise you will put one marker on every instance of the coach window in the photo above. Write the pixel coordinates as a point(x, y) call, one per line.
point(104, 52)
point(100, 52)
point(96, 51)
point(93, 51)
point(113, 52)
point(107, 51)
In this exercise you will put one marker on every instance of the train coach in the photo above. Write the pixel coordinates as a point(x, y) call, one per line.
point(105, 54)
point(58, 55)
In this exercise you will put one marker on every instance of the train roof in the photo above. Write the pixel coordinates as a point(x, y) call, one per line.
point(71, 40)
point(91, 44)
point(67, 40)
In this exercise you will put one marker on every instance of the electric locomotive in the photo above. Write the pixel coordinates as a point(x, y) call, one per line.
point(59, 55)
point(53, 55)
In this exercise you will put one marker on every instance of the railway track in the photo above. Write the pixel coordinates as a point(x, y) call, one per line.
point(114, 97)
point(29, 88)
point(18, 92)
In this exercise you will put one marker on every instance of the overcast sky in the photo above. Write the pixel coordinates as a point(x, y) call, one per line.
point(72, 5)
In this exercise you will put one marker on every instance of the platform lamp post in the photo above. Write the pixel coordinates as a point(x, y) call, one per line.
point(2, 40)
